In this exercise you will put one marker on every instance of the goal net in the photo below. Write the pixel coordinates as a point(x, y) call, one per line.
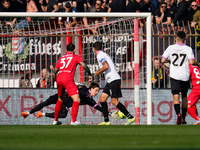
point(29, 47)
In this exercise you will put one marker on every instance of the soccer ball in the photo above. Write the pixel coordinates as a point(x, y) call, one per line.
point(121, 115)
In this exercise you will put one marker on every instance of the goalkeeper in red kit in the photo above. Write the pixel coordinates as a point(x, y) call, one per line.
point(65, 69)
point(194, 95)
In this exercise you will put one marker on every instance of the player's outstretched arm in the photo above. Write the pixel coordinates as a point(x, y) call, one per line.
point(85, 67)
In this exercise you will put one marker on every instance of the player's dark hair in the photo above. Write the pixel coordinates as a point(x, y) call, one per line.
point(97, 46)
point(94, 85)
point(70, 47)
point(181, 35)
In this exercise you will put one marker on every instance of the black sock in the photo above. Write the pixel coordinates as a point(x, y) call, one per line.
point(122, 108)
point(104, 106)
point(184, 111)
point(177, 108)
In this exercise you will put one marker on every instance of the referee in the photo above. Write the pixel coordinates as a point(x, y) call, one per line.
point(179, 56)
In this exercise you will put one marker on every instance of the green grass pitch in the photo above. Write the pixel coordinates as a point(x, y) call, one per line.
point(93, 137)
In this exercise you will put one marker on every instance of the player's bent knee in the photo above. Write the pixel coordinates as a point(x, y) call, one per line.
point(114, 101)
point(103, 98)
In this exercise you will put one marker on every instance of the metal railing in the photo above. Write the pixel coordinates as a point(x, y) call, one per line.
point(26, 52)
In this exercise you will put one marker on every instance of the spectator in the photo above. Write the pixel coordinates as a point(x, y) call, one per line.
point(98, 6)
point(92, 2)
point(159, 76)
point(91, 21)
point(170, 3)
point(51, 6)
point(6, 8)
point(156, 3)
point(25, 81)
point(38, 5)
point(171, 6)
point(133, 6)
point(182, 13)
point(82, 5)
point(104, 6)
point(117, 6)
point(18, 5)
point(46, 80)
point(196, 19)
point(70, 21)
point(147, 6)
point(162, 15)
point(62, 3)
point(30, 7)
point(192, 10)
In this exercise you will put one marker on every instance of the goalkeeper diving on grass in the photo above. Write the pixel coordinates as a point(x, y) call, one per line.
point(86, 97)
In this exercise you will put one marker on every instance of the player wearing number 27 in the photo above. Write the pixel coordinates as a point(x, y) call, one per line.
point(180, 56)
point(65, 69)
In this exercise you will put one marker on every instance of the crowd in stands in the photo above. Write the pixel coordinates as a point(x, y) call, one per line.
point(169, 12)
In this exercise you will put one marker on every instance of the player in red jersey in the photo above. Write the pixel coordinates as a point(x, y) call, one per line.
point(194, 95)
point(65, 69)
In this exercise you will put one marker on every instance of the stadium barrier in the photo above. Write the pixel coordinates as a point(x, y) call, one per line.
point(34, 49)
point(13, 102)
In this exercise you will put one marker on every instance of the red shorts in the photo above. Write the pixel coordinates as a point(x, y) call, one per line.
point(69, 86)
point(193, 97)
